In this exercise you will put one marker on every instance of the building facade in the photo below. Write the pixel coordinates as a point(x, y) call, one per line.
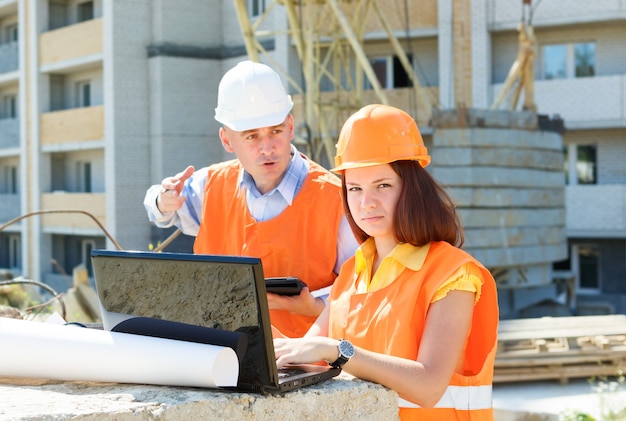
point(100, 99)
point(579, 75)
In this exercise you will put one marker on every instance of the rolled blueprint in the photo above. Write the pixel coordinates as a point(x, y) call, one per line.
point(167, 329)
point(65, 352)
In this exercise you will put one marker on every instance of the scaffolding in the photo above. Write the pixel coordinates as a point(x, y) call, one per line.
point(328, 37)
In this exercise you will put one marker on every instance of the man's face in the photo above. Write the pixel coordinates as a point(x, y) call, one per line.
point(264, 152)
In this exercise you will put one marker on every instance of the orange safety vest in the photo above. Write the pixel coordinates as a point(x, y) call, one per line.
point(391, 321)
point(301, 241)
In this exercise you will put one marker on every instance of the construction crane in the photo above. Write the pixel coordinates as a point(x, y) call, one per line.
point(328, 38)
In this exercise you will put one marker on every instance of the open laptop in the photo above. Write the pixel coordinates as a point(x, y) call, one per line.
point(222, 293)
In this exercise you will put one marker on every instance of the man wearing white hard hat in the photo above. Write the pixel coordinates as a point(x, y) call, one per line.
point(270, 202)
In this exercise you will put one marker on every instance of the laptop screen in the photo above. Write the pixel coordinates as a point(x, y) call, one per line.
point(220, 292)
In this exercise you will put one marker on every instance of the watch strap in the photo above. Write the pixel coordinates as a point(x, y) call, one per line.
point(343, 358)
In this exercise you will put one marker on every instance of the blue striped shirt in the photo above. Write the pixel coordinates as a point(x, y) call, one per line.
point(262, 207)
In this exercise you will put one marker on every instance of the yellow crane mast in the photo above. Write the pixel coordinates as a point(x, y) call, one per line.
point(522, 73)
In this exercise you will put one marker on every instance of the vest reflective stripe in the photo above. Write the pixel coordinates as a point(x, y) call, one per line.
point(460, 398)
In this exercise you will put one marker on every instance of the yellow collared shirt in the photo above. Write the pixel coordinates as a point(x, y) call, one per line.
point(466, 278)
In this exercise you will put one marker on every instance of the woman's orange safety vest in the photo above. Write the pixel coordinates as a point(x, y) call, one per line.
point(391, 321)
point(301, 241)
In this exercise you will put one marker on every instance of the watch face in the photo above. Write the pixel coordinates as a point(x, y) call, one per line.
point(346, 349)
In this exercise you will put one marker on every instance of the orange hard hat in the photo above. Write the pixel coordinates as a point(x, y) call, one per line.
point(379, 134)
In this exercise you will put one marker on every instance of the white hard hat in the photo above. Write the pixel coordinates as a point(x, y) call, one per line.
point(251, 95)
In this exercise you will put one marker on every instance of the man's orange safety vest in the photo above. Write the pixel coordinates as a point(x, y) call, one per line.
point(404, 305)
point(301, 241)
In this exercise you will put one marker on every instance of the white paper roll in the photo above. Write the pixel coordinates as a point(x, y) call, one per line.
point(48, 351)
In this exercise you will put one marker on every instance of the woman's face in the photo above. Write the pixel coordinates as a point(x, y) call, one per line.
point(372, 194)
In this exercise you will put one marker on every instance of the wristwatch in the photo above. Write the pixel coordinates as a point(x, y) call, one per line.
point(346, 351)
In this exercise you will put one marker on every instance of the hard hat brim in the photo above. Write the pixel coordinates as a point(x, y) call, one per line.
point(241, 125)
point(423, 161)
point(349, 165)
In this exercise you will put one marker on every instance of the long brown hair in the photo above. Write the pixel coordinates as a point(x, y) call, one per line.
point(424, 213)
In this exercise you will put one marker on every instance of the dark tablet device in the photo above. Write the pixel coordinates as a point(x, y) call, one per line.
point(284, 285)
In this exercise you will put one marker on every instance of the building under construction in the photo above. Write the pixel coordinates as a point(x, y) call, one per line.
point(521, 103)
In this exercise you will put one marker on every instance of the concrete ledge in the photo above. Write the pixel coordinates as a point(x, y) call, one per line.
point(343, 398)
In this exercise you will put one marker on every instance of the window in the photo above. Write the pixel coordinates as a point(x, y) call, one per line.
point(85, 11)
point(83, 93)
point(11, 33)
point(382, 69)
point(83, 172)
point(554, 62)
point(588, 267)
point(85, 249)
point(390, 72)
point(12, 180)
point(584, 59)
point(586, 164)
point(15, 251)
point(566, 163)
point(580, 164)
point(8, 180)
point(562, 61)
point(58, 100)
point(9, 107)
point(256, 7)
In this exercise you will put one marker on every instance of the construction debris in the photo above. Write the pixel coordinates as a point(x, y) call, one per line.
point(560, 348)
point(19, 299)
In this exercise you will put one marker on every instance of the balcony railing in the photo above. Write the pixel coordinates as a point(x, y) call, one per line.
point(74, 125)
point(599, 209)
point(94, 203)
point(71, 42)
point(9, 133)
point(507, 13)
point(403, 98)
point(604, 99)
point(9, 57)
point(9, 207)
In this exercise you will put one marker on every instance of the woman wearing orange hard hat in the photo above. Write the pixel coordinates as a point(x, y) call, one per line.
point(411, 310)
